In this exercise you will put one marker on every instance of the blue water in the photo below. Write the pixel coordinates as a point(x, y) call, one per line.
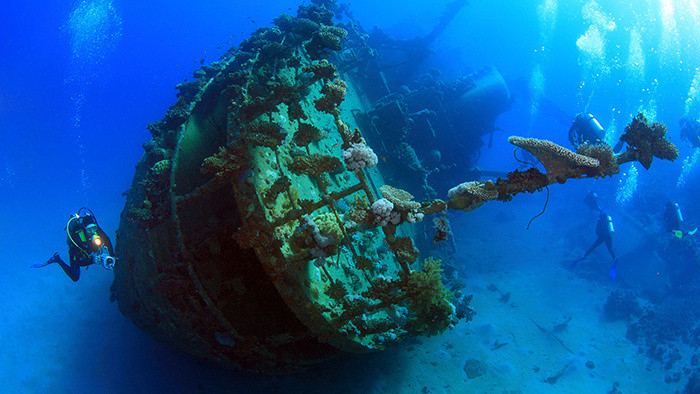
point(81, 80)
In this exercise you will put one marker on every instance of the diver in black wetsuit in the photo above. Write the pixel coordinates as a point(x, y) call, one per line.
point(604, 230)
point(681, 253)
point(87, 245)
point(585, 130)
point(673, 217)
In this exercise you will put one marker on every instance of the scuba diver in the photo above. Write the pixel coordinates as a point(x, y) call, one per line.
point(604, 230)
point(87, 245)
point(690, 131)
point(673, 217)
point(585, 130)
point(681, 252)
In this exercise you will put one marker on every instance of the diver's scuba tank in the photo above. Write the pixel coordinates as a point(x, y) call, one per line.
point(605, 226)
point(593, 125)
point(82, 231)
point(677, 214)
point(585, 130)
point(673, 217)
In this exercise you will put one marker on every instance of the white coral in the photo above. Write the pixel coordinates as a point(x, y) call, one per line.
point(414, 216)
point(359, 156)
point(395, 218)
point(382, 209)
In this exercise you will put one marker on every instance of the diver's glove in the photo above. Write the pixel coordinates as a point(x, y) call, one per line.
point(52, 260)
point(613, 270)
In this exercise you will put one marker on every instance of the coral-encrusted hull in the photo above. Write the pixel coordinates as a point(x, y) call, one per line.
point(248, 235)
point(215, 301)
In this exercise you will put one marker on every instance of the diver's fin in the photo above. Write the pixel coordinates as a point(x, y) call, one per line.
point(613, 270)
point(52, 260)
point(618, 146)
point(693, 231)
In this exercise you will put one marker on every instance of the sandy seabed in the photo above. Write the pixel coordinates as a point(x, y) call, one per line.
point(65, 337)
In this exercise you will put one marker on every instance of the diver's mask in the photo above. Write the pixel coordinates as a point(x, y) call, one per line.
point(91, 232)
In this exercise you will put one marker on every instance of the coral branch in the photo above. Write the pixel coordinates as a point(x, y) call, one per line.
point(560, 163)
point(646, 141)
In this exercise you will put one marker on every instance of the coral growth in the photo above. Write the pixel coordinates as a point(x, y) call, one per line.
point(428, 300)
point(295, 111)
point(387, 212)
point(412, 216)
point(382, 209)
point(320, 242)
point(321, 70)
point(227, 161)
point(160, 170)
point(325, 39)
point(434, 206)
point(262, 37)
point(349, 137)
point(560, 163)
point(360, 211)
point(333, 95)
point(320, 11)
point(141, 213)
point(471, 195)
point(266, 134)
point(336, 290)
point(305, 134)
point(403, 208)
point(404, 250)
point(281, 184)
point(646, 141)
point(661, 325)
point(314, 164)
point(442, 228)
point(300, 26)
point(530, 181)
point(359, 156)
point(604, 154)
point(328, 225)
point(363, 263)
point(254, 107)
point(621, 305)
point(402, 200)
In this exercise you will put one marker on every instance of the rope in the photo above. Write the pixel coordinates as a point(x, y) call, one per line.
point(541, 213)
point(522, 161)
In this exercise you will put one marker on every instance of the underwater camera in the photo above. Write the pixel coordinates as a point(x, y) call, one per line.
point(103, 257)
